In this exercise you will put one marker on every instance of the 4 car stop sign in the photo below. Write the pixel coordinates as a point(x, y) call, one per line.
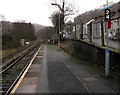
point(107, 15)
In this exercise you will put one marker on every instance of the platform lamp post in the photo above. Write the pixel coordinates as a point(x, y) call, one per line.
point(58, 24)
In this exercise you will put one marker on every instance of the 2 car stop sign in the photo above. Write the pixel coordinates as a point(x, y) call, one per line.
point(107, 15)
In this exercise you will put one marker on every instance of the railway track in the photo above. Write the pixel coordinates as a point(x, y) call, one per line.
point(9, 60)
point(11, 74)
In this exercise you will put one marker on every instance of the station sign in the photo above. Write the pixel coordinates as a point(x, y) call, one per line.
point(106, 6)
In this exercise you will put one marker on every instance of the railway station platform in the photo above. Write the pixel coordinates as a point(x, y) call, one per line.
point(54, 71)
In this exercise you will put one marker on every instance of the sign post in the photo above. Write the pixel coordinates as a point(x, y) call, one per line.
point(105, 8)
point(107, 63)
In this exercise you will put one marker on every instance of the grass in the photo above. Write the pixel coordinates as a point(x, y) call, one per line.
point(8, 52)
point(52, 47)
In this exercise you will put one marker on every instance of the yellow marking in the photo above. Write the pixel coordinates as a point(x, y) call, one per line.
point(23, 75)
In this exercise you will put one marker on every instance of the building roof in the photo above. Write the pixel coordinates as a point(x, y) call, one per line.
point(98, 20)
point(98, 15)
point(116, 16)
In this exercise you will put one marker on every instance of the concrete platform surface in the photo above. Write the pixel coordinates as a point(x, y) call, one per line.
point(53, 71)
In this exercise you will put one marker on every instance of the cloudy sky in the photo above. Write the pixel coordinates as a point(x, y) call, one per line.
point(39, 11)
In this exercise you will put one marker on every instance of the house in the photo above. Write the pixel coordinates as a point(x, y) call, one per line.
point(85, 23)
point(86, 29)
point(69, 30)
point(97, 27)
point(78, 31)
point(115, 25)
point(82, 22)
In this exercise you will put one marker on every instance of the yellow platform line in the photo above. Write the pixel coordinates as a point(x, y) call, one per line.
point(23, 75)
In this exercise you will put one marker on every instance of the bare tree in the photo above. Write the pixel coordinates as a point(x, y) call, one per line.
point(67, 10)
point(55, 20)
point(6, 26)
point(2, 17)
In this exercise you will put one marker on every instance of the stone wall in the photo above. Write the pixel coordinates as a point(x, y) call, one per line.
point(95, 54)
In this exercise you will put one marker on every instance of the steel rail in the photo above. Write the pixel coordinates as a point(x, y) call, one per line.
point(7, 92)
point(16, 80)
point(17, 60)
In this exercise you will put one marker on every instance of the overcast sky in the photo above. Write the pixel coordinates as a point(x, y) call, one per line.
point(39, 11)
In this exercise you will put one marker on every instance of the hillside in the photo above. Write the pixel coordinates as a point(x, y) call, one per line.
point(38, 27)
